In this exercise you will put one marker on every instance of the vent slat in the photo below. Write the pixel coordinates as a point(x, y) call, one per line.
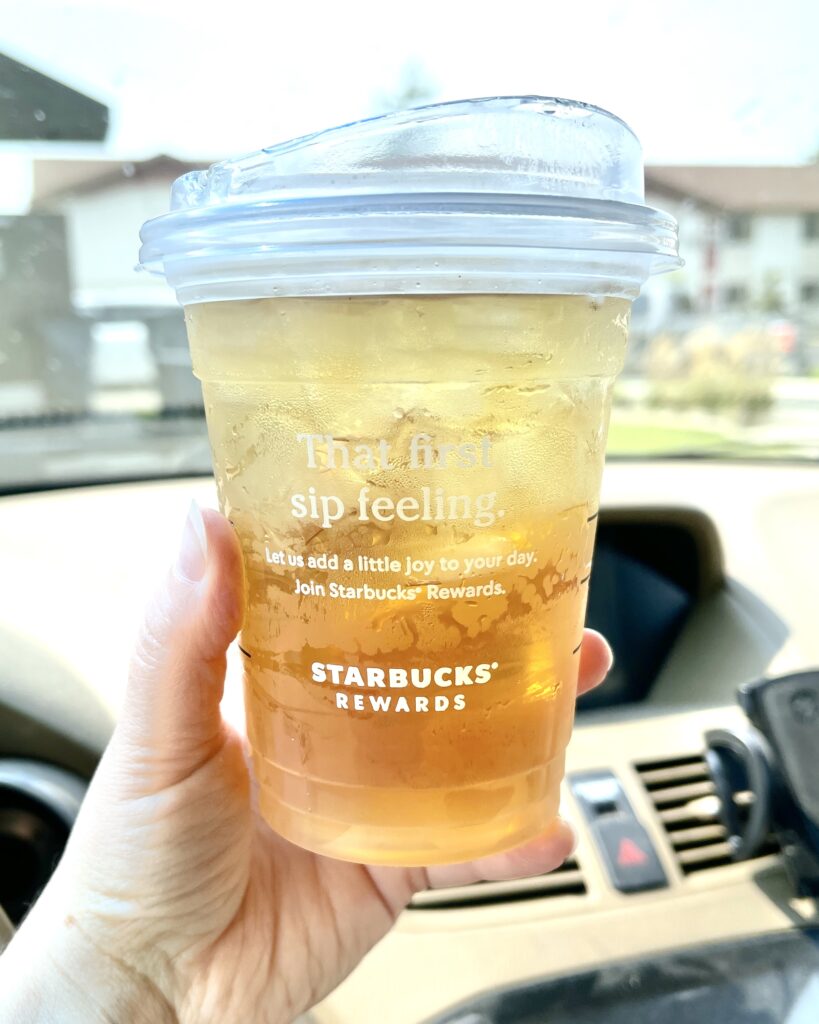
point(680, 794)
point(567, 865)
point(688, 808)
point(557, 883)
point(699, 854)
point(703, 810)
point(677, 773)
point(700, 834)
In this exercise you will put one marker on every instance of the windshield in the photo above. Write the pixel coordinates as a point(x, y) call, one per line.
point(102, 106)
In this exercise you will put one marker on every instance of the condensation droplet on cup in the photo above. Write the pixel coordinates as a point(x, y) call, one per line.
point(39, 115)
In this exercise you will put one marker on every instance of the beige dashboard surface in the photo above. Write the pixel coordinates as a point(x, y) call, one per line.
point(79, 565)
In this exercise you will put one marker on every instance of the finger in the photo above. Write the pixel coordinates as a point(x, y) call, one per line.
point(171, 708)
point(596, 659)
point(545, 853)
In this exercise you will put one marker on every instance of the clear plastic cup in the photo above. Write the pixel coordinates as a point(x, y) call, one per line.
point(407, 331)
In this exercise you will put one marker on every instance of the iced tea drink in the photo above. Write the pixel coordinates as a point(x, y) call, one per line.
point(407, 331)
point(414, 480)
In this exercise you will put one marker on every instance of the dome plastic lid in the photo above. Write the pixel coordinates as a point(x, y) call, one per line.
point(517, 194)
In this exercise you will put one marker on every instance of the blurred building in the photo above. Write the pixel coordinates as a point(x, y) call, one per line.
point(84, 328)
point(104, 203)
point(750, 237)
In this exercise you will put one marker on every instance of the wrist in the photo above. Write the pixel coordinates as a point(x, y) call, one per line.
point(52, 973)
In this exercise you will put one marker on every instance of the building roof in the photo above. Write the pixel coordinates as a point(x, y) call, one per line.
point(54, 179)
point(36, 108)
point(741, 189)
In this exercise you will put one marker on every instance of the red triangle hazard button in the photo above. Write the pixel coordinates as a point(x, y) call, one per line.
point(630, 855)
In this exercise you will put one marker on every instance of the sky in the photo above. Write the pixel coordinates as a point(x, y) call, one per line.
point(700, 81)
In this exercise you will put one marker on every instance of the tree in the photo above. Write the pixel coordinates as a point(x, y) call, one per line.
point(414, 88)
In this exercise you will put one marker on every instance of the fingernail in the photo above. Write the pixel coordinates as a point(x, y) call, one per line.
point(607, 645)
point(192, 559)
point(611, 655)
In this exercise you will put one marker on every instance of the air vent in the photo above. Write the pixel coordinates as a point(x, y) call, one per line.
point(38, 805)
point(565, 881)
point(688, 806)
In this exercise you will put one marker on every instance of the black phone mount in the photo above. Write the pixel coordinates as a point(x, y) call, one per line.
point(767, 774)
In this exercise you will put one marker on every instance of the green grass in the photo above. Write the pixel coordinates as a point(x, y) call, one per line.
point(650, 439)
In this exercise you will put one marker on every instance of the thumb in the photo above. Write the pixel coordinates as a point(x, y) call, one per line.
point(170, 720)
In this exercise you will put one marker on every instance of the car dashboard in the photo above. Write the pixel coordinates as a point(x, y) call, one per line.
point(705, 577)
